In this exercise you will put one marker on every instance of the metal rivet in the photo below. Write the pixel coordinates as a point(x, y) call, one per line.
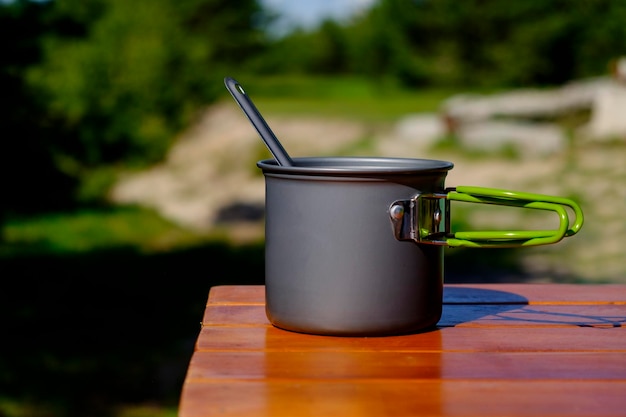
point(397, 211)
point(437, 217)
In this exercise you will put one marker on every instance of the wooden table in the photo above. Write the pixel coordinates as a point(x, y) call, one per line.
point(499, 350)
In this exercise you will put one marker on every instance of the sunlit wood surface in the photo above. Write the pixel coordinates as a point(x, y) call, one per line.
point(499, 350)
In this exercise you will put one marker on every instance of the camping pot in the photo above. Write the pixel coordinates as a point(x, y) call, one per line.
point(354, 246)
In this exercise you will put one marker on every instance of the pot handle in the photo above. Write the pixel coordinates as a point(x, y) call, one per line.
point(425, 218)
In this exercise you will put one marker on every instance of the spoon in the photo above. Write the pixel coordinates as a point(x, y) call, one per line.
point(250, 110)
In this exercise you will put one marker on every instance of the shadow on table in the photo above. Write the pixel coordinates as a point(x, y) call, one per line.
point(465, 304)
point(460, 294)
point(476, 303)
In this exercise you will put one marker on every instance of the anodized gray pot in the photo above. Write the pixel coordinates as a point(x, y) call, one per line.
point(332, 263)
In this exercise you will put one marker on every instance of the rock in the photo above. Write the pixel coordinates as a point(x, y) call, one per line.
point(209, 167)
point(528, 139)
point(524, 103)
point(492, 122)
point(424, 128)
point(608, 116)
point(210, 173)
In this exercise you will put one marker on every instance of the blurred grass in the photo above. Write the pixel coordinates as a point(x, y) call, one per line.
point(339, 97)
point(105, 326)
point(9, 407)
point(87, 230)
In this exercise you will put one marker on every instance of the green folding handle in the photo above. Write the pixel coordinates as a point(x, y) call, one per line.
point(482, 239)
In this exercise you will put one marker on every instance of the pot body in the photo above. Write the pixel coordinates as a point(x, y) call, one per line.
point(332, 264)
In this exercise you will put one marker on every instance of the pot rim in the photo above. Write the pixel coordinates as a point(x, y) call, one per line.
point(353, 165)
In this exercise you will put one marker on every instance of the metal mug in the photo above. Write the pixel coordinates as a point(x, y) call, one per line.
point(354, 246)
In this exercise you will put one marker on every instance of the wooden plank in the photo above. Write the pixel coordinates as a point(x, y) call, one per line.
point(597, 315)
point(460, 339)
point(468, 294)
point(237, 294)
point(235, 315)
point(368, 365)
point(500, 349)
point(404, 398)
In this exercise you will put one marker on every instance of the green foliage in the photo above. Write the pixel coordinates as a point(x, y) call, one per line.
point(348, 97)
point(388, 43)
point(89, 230)
point(95, 185)
point(93, 83)
point(138, 73)
point(470, 43)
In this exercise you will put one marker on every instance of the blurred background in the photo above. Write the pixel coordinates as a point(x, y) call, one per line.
point(129, 184)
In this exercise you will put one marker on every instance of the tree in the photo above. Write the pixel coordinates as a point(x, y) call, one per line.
point(90, 83)
point(135, 73)
point(388, 43)
point(486, 42)
point(330, 55)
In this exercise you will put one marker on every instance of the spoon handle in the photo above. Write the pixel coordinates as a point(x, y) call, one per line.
point(250, 110)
